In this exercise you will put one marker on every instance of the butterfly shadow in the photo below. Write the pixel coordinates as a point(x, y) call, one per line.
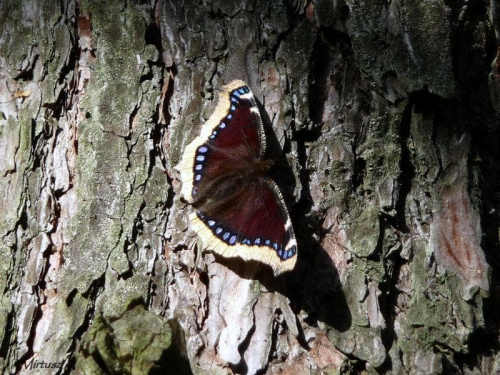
point(321, 295)
point(314, 285)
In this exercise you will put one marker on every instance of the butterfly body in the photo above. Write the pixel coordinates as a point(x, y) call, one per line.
point(239, 210)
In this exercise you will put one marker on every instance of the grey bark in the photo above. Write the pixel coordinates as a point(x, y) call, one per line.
point(387, 114)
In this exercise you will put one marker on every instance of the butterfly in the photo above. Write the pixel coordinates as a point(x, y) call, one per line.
point(238, 210)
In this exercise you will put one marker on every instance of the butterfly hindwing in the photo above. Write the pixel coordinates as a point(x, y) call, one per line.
point(239, 212)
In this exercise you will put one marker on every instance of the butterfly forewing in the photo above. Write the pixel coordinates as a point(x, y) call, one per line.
point(231, 149)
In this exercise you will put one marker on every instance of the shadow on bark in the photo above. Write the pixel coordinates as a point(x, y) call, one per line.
point(317, 292)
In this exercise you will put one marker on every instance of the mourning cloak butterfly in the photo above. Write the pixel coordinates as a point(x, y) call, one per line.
point(239, 211)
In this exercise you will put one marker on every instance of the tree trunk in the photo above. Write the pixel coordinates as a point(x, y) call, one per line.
point(388, 115)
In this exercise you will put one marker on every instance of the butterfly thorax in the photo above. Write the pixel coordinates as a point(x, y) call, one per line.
point(260, 168)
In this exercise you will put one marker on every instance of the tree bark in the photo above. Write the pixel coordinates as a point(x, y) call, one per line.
point(387, 115)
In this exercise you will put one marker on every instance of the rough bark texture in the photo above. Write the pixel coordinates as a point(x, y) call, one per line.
point(388, 115)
